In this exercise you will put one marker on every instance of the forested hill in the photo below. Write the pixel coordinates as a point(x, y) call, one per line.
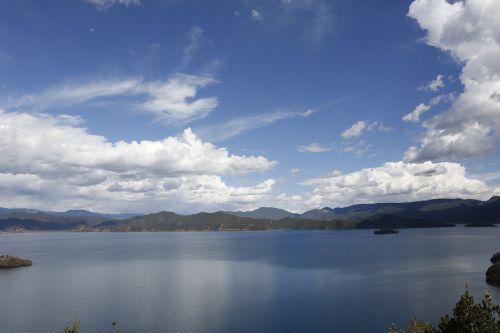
point(430, 213)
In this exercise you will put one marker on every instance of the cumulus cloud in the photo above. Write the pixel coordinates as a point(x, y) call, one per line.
point(470, 32)
point(357, 129)
point(172, 100)
point(105, 4)
point(51, 161)
point(396, 182)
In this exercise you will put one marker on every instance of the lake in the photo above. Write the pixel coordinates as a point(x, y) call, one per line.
point(276, 281)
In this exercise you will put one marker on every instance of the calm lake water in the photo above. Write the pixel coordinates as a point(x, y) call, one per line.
point(279, 281)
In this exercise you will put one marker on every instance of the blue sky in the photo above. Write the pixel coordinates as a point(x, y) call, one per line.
point(147, 105)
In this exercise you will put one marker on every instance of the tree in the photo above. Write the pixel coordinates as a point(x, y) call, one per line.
point(72, 328)
point(468, 317)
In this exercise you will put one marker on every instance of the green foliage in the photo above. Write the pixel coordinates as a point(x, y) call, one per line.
point(495, 258)
point(468, 317)
point(415, 326)
point(72, 328)
point(114, 327)
point(75, 327)
point(471, 317)
point(493, 274)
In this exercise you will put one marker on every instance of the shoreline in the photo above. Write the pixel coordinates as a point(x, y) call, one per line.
point(458, 226)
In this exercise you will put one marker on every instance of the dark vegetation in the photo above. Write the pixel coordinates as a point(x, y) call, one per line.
point(393, 221)
point(13, 262)
point(493, 273)
point(420, 214)
point(220, 221)
point(385, 231)
point(467, 317)
point(480, 225)
point(75, 327)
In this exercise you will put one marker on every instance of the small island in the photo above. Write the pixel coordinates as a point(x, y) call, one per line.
point(493, 273)
point(480, 225)
point(385, 231)
point(7, 261)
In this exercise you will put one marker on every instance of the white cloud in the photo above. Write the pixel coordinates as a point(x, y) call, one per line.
point(256, 15)
point(354, 131)
point(194, 38)
point(50, 162)
point(105, 4)
point(314, 148)
point(171, 100)
point(470, 32)
point(414, 116)
point(396, 182)
point(295, 171)
point(358, 148)
point(434, 85)
point(357, 129)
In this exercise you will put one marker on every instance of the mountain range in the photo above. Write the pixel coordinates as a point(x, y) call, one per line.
point(429, 213)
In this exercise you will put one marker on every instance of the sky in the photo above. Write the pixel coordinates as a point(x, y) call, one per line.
point(150, 105)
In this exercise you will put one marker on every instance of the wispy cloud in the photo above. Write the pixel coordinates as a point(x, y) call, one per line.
point(358, 128)
point(256, 14)
point(194, 38)
point(226, 130)
point(314, 148)
point(170, 100)
point(236, 126)
point(316, 18)
point(358, 148)
point(433, 85)
point(421, 108)
point(105, 4)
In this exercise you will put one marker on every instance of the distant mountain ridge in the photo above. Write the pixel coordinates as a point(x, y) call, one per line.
point(416, 209)
point(428, 213)
point(265, 213)
point(33, 219)
point(218, 221)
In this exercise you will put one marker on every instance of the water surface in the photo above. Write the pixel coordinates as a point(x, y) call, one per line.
point(278, 281)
